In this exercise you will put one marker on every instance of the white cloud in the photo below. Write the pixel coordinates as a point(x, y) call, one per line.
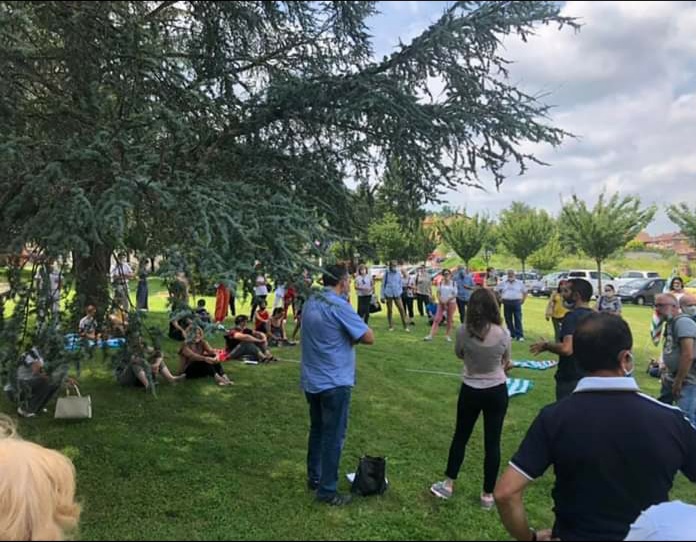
point(625, 85)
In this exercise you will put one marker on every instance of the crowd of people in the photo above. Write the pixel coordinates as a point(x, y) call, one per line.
point(615, 451)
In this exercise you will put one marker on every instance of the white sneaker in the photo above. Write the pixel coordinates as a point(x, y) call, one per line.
point(448, 338)
point(407, 330)
point(428, 338)
point(24, 414)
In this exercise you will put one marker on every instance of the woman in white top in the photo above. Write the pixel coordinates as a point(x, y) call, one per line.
point(260, 294)
point(364, 287)
point(446, 303)
point(484, 346)
point(676, 287)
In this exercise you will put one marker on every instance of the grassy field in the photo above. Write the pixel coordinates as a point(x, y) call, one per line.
point(203, 462)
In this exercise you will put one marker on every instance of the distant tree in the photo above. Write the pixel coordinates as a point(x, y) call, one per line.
point(549, 256)
point(421, 243)
point(635, 246)
point(388, 238)
point(685, 219)
point(606, 228)
point(524, 230)
point(465, 235)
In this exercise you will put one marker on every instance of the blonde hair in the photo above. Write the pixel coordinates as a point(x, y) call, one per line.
point(37, 489)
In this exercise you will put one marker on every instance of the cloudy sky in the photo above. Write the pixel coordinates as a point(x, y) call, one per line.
point(625, 85)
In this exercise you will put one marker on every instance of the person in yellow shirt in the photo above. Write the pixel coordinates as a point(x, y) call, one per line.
point(556, 310)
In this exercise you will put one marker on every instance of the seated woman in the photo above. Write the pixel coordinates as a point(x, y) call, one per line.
point(199, 360)
point(143, 368)
point(262, 319)
point(36, 388)
point(278, 335)
point(242, 342)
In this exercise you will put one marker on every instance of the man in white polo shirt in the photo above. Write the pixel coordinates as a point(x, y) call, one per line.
point(513, 293)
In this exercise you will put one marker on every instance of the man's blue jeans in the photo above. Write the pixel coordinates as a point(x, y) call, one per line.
point(513, 318)
point(328, 414)
point(686, 402)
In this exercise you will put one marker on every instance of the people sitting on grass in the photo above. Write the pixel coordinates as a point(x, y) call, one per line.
point(199, 360)
point(88, 324)
point(142, 368)
point(242, 342)
point(35, 387)
point(262, 320)
point(202, 312)
point(278, 335)
point(37, 489)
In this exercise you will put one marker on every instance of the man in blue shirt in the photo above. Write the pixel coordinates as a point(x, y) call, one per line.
point(465, 285)
point(615, 452)
point(330, 329)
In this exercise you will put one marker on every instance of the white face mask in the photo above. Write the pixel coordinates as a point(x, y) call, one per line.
point(690, 310)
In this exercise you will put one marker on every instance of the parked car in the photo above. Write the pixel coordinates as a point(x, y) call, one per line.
point(547, 284)
point(593, 278)
point(641, 291)
point(629, 276)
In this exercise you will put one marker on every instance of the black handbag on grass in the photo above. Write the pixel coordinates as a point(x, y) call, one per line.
point(375, 305)
point(370, 478)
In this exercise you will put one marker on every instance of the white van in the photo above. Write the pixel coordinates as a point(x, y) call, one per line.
point(592, 276)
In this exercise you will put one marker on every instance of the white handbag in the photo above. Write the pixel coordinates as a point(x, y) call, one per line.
point(74, 407)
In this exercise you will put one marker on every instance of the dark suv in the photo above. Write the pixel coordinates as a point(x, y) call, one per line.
point(641, 291)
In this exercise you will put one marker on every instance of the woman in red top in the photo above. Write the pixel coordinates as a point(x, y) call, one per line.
point(262, 319)
point(288, 299)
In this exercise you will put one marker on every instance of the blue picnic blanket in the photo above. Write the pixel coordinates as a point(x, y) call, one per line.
point(536, 365)
point(518, 386)
point(74, 342)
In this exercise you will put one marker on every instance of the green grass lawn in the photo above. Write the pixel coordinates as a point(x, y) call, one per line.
point(203, 462)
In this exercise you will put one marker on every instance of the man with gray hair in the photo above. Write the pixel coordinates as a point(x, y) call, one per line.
point(688, 305)
point(679, 376)
point(513, 293)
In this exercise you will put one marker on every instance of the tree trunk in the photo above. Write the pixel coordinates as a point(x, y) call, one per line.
point(92, 280)
point(522, 270)
point(599, 278)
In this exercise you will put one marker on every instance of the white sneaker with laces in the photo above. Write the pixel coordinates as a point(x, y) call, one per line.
point(448, 338)
point(428, 338)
